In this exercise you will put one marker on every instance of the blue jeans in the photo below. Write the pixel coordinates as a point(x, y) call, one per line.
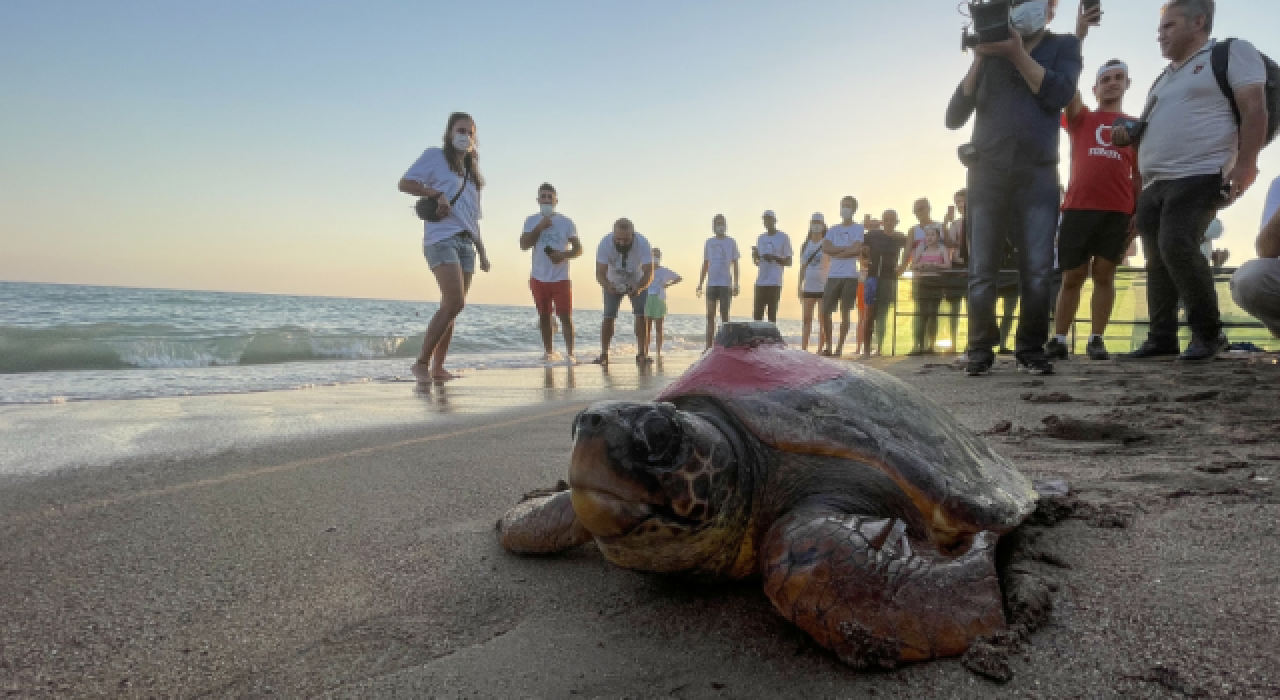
point(1020, 204)
point(456, 250)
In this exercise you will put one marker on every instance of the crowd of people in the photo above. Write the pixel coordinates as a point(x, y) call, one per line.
point(1013, 235)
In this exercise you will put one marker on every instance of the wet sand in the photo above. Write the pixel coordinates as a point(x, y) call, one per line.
point(363, 563)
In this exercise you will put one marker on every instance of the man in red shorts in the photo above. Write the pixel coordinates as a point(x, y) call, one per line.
point(1097, 216)
point(554, 240)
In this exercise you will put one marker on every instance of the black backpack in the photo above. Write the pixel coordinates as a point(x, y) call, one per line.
point(1220, 59)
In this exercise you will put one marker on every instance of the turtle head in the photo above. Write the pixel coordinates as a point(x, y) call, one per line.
point(653, 484)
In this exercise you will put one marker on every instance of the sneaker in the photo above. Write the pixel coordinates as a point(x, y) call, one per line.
point(978, 366)
point(1202, 351)
point(1037, 365)
point(1151, 350)
point(1055, 349)
point(1097, 349)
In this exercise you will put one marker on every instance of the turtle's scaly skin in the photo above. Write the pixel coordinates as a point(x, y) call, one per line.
point(870, 514)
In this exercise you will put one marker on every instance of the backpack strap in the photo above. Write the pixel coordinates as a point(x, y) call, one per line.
point(1220, 59)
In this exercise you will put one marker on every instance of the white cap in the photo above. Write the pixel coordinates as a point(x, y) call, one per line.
point(817, 216)
point(769, 213)
point(1116, 66)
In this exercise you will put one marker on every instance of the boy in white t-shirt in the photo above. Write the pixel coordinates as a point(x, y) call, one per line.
point(720, 273)
point(655, 307)
point(554, 241)
point(843, 245)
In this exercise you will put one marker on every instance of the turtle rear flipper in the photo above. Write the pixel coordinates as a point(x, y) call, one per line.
point(542, 525)
point(863, 588)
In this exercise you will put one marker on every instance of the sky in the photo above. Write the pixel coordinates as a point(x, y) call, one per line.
point(256, 146)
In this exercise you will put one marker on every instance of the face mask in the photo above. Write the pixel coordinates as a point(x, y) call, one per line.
point(815, 228)
point(548, 209)
point(462, 142)
point(846, 213)
point(1030, 17)
point(720, 230)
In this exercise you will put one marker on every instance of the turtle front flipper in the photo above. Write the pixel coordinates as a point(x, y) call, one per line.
point(862, 588)
point(542, 524)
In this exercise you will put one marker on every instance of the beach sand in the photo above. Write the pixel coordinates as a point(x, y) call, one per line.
point(355, 556)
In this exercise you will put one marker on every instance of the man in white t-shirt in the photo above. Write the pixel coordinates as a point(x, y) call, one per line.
point(771, 254)
point(1256, 285)
point(1195, 158)
point(554, 241)
point(720, 273)
point(843, 244)
point(624, 268)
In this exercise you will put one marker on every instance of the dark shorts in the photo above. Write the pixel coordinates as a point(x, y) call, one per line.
point(842, 292)
point(613, 302)
point(1087, 234)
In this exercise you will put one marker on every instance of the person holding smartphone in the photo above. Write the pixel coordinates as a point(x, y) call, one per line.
point(624, 269)
point(554, 241)
point(771, 254)
point(452, 244)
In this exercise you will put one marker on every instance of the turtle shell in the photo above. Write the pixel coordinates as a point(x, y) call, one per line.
point(799, 403)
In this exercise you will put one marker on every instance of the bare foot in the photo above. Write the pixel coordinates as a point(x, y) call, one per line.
point(442, 375)
point(421, 371)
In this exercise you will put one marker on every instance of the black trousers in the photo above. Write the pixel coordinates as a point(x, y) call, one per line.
point(767, 298)
point(1172, 217)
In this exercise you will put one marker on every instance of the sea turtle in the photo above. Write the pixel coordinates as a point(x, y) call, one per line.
point(869, 513)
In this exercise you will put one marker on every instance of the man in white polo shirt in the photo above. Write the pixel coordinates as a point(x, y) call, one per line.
point(1194, 158)
point(843, 245)
point(1256, 285)
point(771, 254)
point(554, 240)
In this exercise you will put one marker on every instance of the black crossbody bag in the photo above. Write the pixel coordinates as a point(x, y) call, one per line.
point(428, 208)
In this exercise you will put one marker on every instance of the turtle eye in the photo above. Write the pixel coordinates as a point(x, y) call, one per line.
point(656, 438)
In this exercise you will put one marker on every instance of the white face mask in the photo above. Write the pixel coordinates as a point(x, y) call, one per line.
point(846, 213)
point(462, 142)
point(547, 209)
point(720, 229)
point(1030, 17)
point(815, 228)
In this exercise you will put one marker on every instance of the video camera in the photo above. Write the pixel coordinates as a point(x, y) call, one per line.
point(990, 23)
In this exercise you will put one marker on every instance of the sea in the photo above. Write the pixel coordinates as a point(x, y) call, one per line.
point(61, 343)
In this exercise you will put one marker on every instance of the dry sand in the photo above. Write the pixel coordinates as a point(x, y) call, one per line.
point(365, 564)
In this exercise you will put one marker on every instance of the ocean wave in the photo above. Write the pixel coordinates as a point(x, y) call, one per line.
point(150, 346)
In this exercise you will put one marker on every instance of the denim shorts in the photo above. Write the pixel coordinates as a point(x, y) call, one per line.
point(457, 250)
point(612, 302)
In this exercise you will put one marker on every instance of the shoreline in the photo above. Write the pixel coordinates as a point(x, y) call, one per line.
point(46, 438)
point(364, 564)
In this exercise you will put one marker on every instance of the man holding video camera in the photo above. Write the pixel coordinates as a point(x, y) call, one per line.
point(1195, 158)
point(1019, 83)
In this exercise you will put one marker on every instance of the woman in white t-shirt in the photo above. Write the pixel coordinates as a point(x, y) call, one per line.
point(813, 281)
point(452, 244)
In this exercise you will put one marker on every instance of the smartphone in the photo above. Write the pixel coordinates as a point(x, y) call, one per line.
point(951, 213)
point(1090, 4)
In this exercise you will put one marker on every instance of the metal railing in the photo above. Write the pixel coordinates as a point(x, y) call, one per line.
point(931, 333)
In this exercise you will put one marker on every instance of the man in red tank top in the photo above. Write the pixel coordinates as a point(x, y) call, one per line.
point(1097, 215)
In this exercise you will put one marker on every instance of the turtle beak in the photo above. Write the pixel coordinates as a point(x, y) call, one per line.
point(606, 504)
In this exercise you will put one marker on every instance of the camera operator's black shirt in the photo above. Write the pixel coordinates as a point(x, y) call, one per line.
point(1015, 127)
